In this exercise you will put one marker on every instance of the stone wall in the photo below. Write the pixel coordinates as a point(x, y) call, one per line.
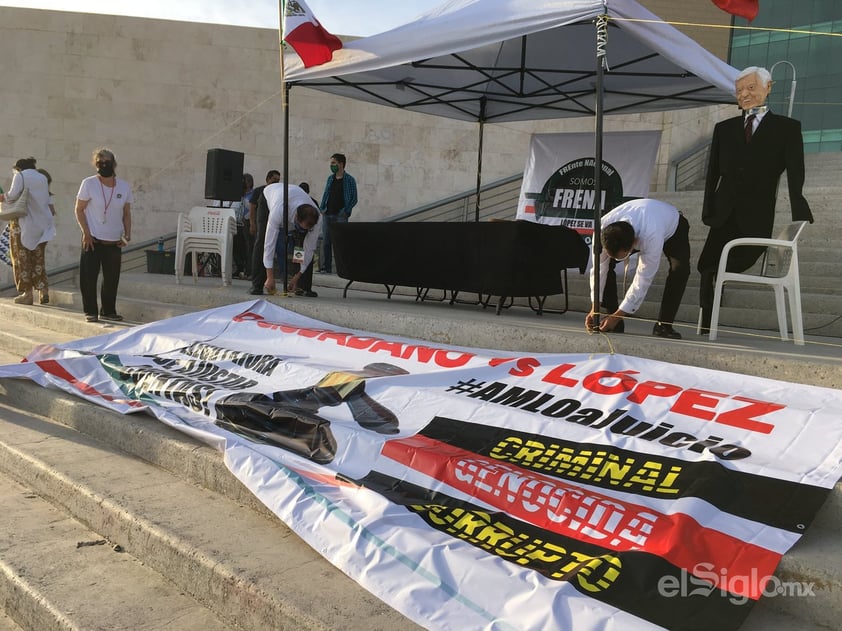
point(161, 93)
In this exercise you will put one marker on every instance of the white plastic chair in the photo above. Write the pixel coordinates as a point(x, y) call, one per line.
point(205, 229)
point(778, 270)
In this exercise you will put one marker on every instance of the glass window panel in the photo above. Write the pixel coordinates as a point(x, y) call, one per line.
point(818, 102)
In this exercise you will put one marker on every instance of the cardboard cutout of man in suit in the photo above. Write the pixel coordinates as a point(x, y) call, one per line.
point(747, 157)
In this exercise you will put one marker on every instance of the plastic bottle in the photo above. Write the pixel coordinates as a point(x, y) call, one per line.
point(161, 244)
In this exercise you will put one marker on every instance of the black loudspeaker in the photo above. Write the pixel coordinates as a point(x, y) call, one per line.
point(224, 175)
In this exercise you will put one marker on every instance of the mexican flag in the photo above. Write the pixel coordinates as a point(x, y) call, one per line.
point(744, 8)
point(307, 37)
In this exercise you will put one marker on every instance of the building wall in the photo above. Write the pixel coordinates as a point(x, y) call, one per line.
point(803, 55)
point(161, 93)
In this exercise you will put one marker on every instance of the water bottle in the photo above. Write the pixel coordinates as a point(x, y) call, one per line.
point(161, 244)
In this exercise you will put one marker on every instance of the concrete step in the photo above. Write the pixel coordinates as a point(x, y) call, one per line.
point(67, 324)
point(822, 234)
point(744, 308)
point(823, 198)
point(134, 310)
point(243, 565)
point(811, 287)
point(57, 574)
point(810, 284)
point(7, 624)
point(18, 336)
point(765, 618)
point(814, 562)
point(517, 329)
point(65, 317)
point(753, 306)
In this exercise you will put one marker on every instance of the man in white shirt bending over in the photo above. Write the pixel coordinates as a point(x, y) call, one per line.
point(647, 227)
point(302, 217)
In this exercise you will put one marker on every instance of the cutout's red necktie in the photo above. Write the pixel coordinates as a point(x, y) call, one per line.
point(749, 128)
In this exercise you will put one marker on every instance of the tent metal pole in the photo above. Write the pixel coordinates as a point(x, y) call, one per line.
point(282, 14)
point(479, 154)
point(601, 33)
point(283, 264)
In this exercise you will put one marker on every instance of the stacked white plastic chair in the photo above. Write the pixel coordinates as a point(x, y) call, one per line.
point(209, 230)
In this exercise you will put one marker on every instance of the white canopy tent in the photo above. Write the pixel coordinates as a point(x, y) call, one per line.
point(507, 60)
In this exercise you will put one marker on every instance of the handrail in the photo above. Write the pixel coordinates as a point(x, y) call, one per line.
point(688, 167)
point(454, 200)
point(74, 266)
point(791, 100)
point(145, 244)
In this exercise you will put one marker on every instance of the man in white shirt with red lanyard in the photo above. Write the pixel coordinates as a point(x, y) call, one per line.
point(647, 227)
point(103, 211)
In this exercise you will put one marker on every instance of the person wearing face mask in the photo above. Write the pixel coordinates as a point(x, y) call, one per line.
point(748, 154)
point(302, 236)
point(646, 227)
point(28, 235)
point(103, 212)
point(338, 200)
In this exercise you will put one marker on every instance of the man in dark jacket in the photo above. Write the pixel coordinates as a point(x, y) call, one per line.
point(259, 213)
point(338, 200)
point(747, 157)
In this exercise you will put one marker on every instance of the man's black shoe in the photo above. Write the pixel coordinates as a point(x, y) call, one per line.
point(311, 294)
point(256, 292)
point(665, 330)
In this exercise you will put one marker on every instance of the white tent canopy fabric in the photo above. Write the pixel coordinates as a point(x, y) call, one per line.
point(506, 60)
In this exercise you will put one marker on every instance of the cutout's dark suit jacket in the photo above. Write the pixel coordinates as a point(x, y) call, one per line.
point(742, 181)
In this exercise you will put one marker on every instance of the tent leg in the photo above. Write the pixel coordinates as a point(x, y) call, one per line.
point(601, 34)
point(479, 155)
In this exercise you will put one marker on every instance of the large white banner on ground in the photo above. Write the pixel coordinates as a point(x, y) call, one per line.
point(479, 489)
point(558, 179)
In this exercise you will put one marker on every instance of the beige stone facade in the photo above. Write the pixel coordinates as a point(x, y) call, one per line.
point(161, 93)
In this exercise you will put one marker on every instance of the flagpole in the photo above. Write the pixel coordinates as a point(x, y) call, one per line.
point(285, 108)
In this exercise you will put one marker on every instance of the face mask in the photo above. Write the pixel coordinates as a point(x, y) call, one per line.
point(106, 170)
point(334, 168)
